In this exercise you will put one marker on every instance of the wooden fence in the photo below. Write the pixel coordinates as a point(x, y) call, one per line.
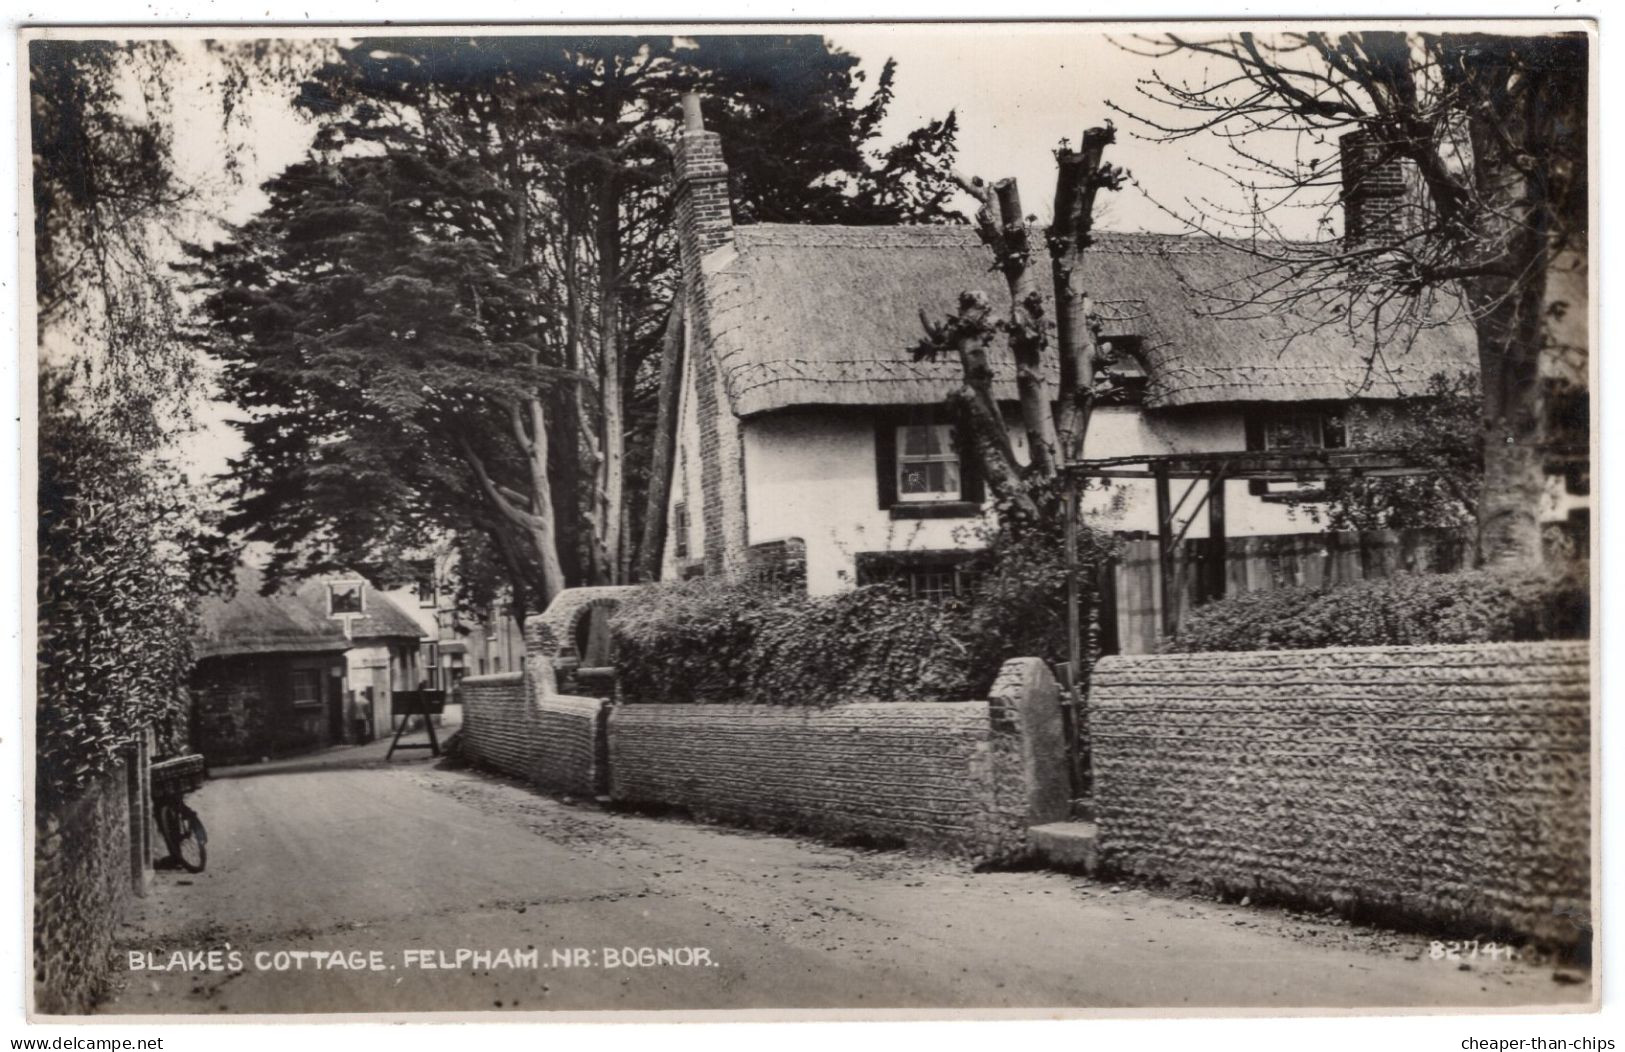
point(1256, 564)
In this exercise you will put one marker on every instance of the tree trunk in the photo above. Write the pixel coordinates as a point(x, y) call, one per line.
point(565, 475)
point(1003, 228)
point(531, 516)
point(1509, 339)
point(652, 546)
point(542, 527)
point(1079, 177)
point(1055, 436)
point(1028, 337)
point(612, 470)
point(1509, 314)
point(544, 532)
point(979, 411)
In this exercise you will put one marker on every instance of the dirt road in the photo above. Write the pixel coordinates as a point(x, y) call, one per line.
point(391, 870)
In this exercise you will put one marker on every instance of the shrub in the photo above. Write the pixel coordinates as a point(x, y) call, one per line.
point(687, 640)
point(870, 644)
point(122, 557)
point(1477, 606)
point(715, 640)
point(707, 640)
point(1019, 609)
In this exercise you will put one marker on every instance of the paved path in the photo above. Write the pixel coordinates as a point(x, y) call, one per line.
point(405, 859)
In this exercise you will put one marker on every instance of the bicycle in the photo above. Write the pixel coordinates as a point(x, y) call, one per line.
point(182, 829)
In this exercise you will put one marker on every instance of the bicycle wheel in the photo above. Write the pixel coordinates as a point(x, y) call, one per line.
point(191, 844)
point(169, 827)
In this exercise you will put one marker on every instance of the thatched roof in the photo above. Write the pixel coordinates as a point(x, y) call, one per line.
point(825, 315)
point(290, 621)
point(251, 623)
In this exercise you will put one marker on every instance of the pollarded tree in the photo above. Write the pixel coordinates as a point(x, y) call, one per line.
point(1057, 422)
point(1470, 151)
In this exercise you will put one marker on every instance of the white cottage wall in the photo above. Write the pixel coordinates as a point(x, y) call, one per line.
point(1119, 431)
point(811, 474)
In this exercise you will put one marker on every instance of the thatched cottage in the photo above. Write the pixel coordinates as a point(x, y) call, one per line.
point(277, 673)
point(805, 425)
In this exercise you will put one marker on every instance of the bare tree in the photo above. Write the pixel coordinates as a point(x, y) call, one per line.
point(1474, 148)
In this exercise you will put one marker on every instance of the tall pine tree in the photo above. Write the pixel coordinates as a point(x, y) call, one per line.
point(451, 317)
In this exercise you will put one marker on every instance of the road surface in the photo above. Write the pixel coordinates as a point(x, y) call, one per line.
point(393, 870)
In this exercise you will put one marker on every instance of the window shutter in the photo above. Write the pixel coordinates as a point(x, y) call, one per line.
point(971, 487)
point(1254, 424)
point(886, 460)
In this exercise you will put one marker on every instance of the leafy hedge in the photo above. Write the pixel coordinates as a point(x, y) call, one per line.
point(707, 640)
point(717, 640)
point(122, 555)
point(1477, 606)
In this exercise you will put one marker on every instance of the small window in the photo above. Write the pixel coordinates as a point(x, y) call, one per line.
point(431, 665)
point(1125, 368)
point(919, 470)
point(424, 585)
point(927, 463)
point(929, 576)
point(1293, 430)
point(932, 585)
point(679, 529)
point(307, 686)
point(1305, 430)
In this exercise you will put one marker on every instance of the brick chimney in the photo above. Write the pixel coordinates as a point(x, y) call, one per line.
point(1377, 200)
point(704, 230)
point(704, 212)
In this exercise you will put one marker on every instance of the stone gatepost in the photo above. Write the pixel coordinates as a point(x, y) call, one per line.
point(1030, 783)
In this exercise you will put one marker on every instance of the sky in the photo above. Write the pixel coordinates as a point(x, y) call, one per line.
point(1018, 89)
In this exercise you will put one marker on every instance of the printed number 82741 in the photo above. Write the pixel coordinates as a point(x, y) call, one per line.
point(1471, 948)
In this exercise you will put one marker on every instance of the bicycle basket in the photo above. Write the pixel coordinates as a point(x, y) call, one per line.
point(178, 774)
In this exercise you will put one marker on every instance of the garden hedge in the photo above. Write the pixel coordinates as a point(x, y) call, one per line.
point(721, 641)
point(1477, 606)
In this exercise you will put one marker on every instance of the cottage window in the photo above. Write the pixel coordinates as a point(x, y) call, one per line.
point(933, 584)
point(431, 665)
point(927, 575)
point(927, 463)
point(1125, 369)
point(307, 686)
point(1293, 429)
point(424, 585)
point(919, 467)
point(679, 530)
point(1303, 431)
